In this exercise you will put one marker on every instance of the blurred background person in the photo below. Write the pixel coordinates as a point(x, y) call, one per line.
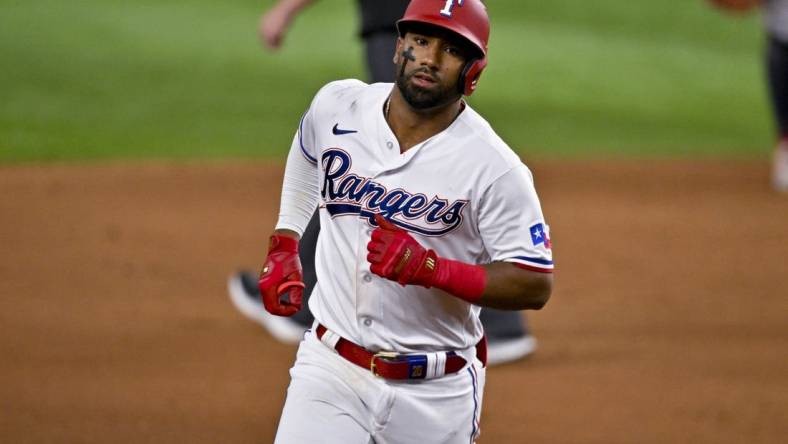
point(775, 19)
point(509, 338)
point(378, 31)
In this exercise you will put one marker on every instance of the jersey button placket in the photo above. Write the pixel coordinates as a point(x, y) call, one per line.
point(364, 310)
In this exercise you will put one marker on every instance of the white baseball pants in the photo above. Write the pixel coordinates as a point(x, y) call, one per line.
point(333, 401)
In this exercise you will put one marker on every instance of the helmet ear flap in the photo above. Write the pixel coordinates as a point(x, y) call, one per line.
point(470, 76)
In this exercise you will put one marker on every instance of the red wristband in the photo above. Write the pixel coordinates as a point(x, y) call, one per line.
point(466, 281)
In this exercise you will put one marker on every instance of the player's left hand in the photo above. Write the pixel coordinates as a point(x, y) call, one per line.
point(281, 282)
point(395, 255)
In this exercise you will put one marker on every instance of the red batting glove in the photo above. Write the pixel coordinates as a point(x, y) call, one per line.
point(395, 255)
point(281, 274)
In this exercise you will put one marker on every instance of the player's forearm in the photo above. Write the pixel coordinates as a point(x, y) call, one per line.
point(499, 285)
point(394, 254)
point(509, 287)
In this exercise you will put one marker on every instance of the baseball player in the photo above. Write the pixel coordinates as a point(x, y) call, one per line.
point(507, 333)
point(426, 215)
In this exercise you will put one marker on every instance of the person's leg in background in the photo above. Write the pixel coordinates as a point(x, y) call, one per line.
point(508, 336)
point(777, 72)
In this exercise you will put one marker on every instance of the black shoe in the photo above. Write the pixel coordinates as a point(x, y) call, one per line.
point(504, 350)
point(508, 336)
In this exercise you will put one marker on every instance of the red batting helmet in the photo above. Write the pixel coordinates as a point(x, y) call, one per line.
point(467, 18)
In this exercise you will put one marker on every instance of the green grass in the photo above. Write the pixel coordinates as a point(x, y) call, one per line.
point(107, 79)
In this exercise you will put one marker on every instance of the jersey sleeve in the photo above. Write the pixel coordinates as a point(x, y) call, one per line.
point(304, 140)
point(323, 105)
point(299, 196)
point(299, 192)
point(511, 223)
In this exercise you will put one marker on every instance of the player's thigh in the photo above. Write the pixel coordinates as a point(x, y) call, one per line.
point(443, 411)
point(322, 405)
point(306, 419)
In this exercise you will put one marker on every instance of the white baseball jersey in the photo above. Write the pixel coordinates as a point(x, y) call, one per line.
point(463, 193)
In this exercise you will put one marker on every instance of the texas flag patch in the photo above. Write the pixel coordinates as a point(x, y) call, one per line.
point(540, 236)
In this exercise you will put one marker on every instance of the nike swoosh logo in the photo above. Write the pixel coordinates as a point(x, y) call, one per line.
point(339, 132)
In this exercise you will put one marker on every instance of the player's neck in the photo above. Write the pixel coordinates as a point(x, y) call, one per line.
point(412, 126)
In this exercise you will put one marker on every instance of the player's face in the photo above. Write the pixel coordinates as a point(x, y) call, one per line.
point(429, 64)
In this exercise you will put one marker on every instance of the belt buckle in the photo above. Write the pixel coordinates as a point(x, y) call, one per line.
point(382, 355)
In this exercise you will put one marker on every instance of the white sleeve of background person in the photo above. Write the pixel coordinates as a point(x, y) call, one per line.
point(509, 212)
point(299, 188)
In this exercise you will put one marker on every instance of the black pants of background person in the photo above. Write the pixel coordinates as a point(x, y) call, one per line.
point(777, 73)
point(498, 324)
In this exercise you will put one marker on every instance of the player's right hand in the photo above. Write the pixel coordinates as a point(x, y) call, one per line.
point(281, 282)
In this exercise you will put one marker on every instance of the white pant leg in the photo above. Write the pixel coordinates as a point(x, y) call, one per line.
point(331, 400)
point(437, 411)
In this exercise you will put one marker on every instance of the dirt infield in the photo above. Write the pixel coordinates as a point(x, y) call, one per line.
point(668, 323)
